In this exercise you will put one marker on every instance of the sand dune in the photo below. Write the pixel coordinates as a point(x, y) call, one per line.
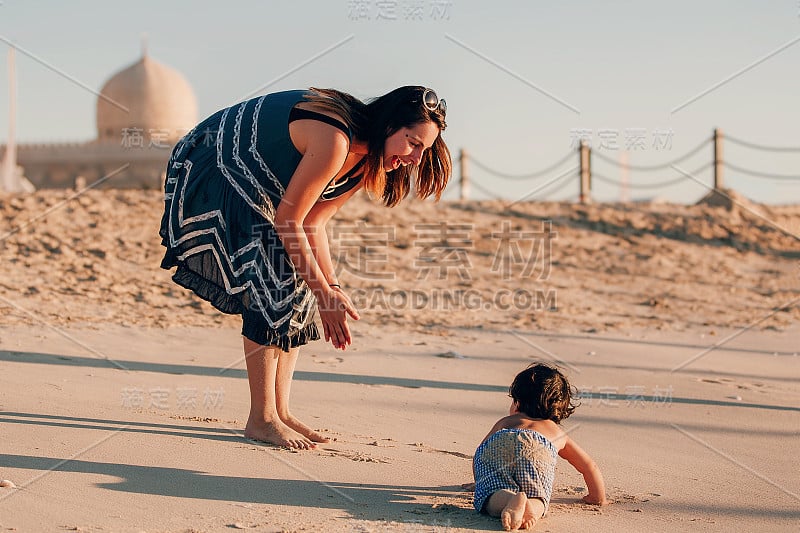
point(543, 266)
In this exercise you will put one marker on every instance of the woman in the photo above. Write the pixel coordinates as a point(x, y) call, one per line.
point(248, 194)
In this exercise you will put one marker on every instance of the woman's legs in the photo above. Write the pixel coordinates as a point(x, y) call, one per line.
point(264, 424)
point(283, 388)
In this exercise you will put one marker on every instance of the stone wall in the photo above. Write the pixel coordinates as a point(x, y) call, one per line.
point(60, 166)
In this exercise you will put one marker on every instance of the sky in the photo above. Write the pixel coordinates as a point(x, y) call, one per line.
point(524, 80)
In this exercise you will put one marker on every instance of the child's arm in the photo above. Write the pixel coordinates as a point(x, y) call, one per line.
point(584, 464)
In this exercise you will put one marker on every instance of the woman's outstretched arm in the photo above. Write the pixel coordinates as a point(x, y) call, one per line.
point(324, 150)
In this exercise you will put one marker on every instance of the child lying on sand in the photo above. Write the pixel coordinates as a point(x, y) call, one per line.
point(514, 466)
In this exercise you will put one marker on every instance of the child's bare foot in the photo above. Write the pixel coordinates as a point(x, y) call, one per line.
point(276, 433)
point(534, 510)
point(303, 429)
point(514, 511)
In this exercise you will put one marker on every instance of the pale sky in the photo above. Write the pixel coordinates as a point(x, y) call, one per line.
point(522, 79)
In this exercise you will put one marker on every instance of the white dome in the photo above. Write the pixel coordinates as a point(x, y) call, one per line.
point(148, 96)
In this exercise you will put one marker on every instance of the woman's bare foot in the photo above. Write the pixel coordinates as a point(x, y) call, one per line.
point(276, 433)
point(304, 430)
point(514, 511)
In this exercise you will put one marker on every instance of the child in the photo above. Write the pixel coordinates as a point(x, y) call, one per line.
point(515, 464)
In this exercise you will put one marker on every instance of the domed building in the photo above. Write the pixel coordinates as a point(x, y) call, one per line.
point(146, 96)
point(142, 111)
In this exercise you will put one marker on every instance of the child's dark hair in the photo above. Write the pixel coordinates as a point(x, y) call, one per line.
point(543, 392)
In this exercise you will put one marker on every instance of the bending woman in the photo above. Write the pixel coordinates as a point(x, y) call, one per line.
point(248, 194)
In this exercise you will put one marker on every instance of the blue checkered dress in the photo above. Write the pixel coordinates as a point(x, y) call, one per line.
point(517, 460)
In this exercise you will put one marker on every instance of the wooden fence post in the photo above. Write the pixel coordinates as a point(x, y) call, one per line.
point(585, 196)
point(718, 181)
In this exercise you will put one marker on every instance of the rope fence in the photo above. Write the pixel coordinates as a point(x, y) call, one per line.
point(668, 164)
point(649, 186)
point(763, 147)
point(533, 175)
point(586, 176)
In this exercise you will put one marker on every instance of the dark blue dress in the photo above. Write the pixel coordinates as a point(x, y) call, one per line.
point(225, 179)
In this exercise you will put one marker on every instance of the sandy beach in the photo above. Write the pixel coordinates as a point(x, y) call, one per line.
point(123, 397)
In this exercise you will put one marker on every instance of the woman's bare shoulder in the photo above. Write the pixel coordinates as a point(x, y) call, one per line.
point(305, 133)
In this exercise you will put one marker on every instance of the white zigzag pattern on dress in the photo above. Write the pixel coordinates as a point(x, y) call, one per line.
point(260, 191)
point(218, 250)
point(216, 253)
point(267, 213)
point(225, 172)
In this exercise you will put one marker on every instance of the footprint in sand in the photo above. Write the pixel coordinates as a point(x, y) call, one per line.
point(570, 491)
point(383, 443)
point(359, 457)
point(731, 383)
point(451, 355)
point(619, 496)
point(422, 447)
point(710, 380)
point(327, 360)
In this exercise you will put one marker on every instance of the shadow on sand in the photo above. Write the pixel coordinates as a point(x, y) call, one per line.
point(362, 501)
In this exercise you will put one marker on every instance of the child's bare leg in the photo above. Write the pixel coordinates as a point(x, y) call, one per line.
point(283, 388)
point(264, 424)
point(534, 510)
point(509, 506)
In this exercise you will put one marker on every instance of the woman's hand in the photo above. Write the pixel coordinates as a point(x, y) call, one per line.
point(334, 307)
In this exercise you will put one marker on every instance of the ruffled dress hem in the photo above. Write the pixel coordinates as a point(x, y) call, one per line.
point(253, 330)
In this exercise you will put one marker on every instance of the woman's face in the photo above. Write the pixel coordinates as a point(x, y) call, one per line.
point(406, 145)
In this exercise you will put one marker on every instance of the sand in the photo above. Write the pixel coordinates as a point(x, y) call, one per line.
point(123, 397)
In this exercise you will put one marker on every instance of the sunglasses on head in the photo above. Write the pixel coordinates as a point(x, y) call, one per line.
point(432, 102)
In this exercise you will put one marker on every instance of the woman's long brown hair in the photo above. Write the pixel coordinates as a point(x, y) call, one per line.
point(374, 122)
